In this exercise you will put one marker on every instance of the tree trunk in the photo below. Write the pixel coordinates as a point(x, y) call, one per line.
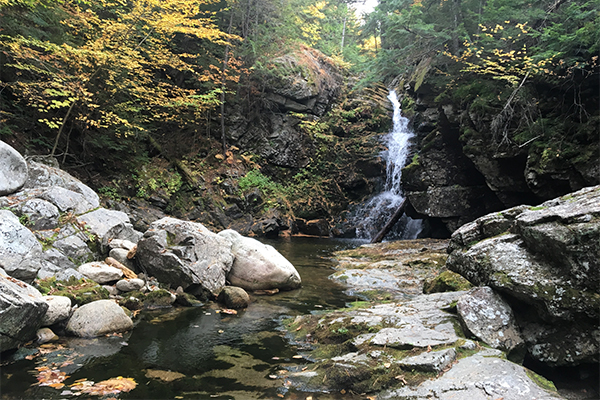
point(390, 224)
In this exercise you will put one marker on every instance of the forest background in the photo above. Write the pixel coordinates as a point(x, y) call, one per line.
point(136, 97)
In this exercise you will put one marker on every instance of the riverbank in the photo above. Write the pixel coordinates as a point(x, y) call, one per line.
point(398, 343)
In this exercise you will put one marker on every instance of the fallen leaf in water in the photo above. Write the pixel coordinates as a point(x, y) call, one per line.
point(51, 377)
point(165, 376)
point(109, 386)
point(228, 311)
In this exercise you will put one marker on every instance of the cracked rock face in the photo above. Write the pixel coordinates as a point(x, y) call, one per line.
point(544, 261)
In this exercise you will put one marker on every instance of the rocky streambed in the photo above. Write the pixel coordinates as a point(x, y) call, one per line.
point(534, 309)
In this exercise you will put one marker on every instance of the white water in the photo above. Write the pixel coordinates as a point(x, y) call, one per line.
point(377, 211)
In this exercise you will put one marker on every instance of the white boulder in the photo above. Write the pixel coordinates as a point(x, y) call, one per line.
point(259, 266)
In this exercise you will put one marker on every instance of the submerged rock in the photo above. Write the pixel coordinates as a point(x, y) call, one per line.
point(234, 297)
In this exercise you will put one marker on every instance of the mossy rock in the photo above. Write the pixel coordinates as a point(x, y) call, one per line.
point(80, 291)
point(160, 298)
point(447, 281)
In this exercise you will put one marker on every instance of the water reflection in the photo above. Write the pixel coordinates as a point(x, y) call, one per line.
point(220, 356)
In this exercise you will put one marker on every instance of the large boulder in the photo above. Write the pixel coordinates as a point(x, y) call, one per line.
point(258, 266)
point(20, 252)
point(544, 261)
point(45, 176)
point(99, 318)
point(21, 311)
point(13, 170)
point(186, 254)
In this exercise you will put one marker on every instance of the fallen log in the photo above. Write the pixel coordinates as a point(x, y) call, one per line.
point(390, 224)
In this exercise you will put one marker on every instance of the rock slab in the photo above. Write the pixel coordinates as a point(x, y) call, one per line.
point(544, 260)
point(487, 316)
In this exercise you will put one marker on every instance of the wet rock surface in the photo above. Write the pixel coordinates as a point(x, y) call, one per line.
point(413, 347)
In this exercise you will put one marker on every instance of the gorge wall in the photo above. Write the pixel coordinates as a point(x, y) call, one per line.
point(481, 148)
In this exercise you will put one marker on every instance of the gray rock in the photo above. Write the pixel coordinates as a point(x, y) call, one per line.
point(20, 252)
point(100, 272)
point(546, 260)
point(73, 245)
point(112, 290)
point(487, 316)
point(183, 253)
point(41, 214)
point(59, 309)
point(408, 337)
point(121, 244)
point(41, 176)
point(67, 200)
point(108, 225)
point(129, 285)
point(120, 255)
point(234, 297)
point(434, 361)
point(13, 170)
point(478, 378)
point(258, 266)
point(98, 318)
point(67, 274)
point(54, 261)
point(22, 309)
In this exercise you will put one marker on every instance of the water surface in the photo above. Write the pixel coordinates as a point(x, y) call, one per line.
point(220, 356)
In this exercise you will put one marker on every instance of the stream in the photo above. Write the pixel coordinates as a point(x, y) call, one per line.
point(213, 355)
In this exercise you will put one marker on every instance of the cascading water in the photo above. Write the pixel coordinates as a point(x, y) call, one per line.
point(377, 211)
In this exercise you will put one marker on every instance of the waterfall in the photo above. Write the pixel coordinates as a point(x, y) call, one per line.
point(376, 212)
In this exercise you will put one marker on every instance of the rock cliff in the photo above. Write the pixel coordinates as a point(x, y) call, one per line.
point(544, 261)
point(482, 147)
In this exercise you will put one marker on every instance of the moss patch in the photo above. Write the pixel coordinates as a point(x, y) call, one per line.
point(447, 281)
point(80, 291)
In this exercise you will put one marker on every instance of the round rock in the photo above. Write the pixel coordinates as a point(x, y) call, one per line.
point(59, 308)
point(100, 272)
point(234, 297)
point(13, 170)
point(99, 318)
point(129, 285)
